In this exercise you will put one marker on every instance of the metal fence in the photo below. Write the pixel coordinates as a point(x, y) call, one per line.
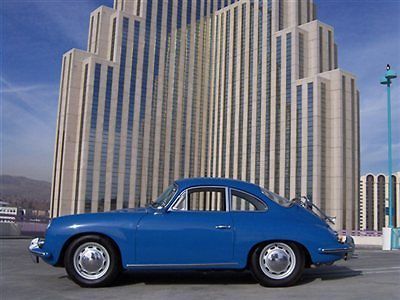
point(361, 232)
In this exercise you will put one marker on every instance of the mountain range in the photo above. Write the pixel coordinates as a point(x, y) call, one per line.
point(25, 192)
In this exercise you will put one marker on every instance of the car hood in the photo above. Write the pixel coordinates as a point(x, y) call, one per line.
point(113, 217)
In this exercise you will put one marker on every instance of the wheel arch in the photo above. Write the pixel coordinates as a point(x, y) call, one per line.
point(307, 256)
point(60, 261)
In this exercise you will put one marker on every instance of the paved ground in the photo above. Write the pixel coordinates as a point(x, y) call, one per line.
point(374, 274)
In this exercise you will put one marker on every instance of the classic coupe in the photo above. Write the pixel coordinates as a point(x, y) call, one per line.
point(197, 223)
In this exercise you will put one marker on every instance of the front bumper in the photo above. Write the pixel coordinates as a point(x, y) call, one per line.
point(346, 248)
point(35, 248)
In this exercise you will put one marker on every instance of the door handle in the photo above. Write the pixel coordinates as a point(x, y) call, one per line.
point(223, 227)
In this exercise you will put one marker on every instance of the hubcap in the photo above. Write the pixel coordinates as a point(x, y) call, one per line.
point(277, 260)
point(91, 260)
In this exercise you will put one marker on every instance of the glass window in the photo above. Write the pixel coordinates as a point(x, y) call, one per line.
point(165, 197)
point(181, 203)
point(206, 199)
point(241, 201)
point(202, 199)
point(277, 198)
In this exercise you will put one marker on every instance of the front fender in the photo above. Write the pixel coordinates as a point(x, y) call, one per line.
point(120, 228)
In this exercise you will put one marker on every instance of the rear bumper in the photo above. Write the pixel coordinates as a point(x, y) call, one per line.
point(35, 248)
point(346, 249)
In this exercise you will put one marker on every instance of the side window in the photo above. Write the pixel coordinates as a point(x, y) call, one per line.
point(201, 199)
point(206, 199)
point(242, 201)
point(181, 203)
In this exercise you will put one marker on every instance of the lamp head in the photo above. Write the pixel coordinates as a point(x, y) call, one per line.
point(390, 74)
point(385, 81)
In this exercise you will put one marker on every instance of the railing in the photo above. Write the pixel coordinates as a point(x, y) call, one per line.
point(32, 225)
point(361, 232)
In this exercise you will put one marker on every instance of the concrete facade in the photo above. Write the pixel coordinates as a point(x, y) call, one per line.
point(171, 89)
point(373, 203)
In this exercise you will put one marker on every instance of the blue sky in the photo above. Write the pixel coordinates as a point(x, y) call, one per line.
point(35, 34)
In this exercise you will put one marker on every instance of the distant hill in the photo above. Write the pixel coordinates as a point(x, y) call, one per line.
point(25, 192)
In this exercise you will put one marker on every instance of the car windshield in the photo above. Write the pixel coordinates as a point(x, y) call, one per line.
point(165, 197)
point(276, 198)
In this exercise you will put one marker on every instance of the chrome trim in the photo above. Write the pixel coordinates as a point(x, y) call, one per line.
point(335, 250)
point(180, 265)
point(223, 227)
point(35, 249)
point(347, 250)
point(176, 201)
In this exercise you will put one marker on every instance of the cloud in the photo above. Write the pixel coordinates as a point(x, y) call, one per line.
point(67, 19)
point(28, 118)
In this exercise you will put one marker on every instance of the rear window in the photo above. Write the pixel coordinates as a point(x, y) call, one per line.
point(282, 201)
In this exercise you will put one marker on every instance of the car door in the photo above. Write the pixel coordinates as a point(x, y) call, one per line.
point(196, 230)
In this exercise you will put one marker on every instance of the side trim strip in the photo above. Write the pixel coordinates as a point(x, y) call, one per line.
point(180, 265)
point(336, 250)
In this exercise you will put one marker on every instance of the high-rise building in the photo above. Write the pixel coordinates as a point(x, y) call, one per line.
point(172, 88)
point(374, 201)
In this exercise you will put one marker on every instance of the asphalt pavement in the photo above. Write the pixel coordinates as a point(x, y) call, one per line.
point(372, 274)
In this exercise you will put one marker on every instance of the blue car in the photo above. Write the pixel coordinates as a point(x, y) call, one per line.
point(197, 223)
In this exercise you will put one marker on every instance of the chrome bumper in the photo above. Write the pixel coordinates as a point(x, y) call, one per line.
point(35, 248)
point(347, 248)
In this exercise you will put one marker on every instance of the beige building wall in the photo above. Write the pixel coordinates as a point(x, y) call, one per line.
point(373, 202)
point(171, 88)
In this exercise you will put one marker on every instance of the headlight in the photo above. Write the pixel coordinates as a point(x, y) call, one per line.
point(342, 239)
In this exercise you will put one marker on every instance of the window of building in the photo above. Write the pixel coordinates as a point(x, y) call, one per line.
point(321, 60)
point(97, 32)
point(90, 33)
point(114, 24)
point(299, 145)
point(118, 119)
point(288, 126)
point(278, 112)
point(330, 49)
point(280, 14)
point(93, 127)
point(250, 95)
point(301, 55)
point(310, 140)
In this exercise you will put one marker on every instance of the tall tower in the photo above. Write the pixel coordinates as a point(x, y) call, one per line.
point(241, 89)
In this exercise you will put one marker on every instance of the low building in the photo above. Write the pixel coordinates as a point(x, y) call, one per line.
point(8, 214)
point(374, 203)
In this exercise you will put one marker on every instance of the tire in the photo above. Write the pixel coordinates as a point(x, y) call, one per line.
point(89, 272)
point(277, 273)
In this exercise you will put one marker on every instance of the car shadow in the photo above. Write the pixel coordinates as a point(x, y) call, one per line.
point(185, 277)
point(328, 273)
point(157, 277)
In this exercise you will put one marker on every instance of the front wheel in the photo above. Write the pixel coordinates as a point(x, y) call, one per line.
point(277, 264)
point(92, 261)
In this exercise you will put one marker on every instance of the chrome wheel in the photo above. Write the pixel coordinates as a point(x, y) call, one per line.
point(91, 260)
point(277, 260)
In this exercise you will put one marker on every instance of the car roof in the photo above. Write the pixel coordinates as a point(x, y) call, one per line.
point(215, 181)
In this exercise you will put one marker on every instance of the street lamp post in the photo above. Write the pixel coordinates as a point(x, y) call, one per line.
point(387, 80)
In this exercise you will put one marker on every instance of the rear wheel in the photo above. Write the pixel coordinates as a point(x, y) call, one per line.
point(92, 261)
point(277, 264)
